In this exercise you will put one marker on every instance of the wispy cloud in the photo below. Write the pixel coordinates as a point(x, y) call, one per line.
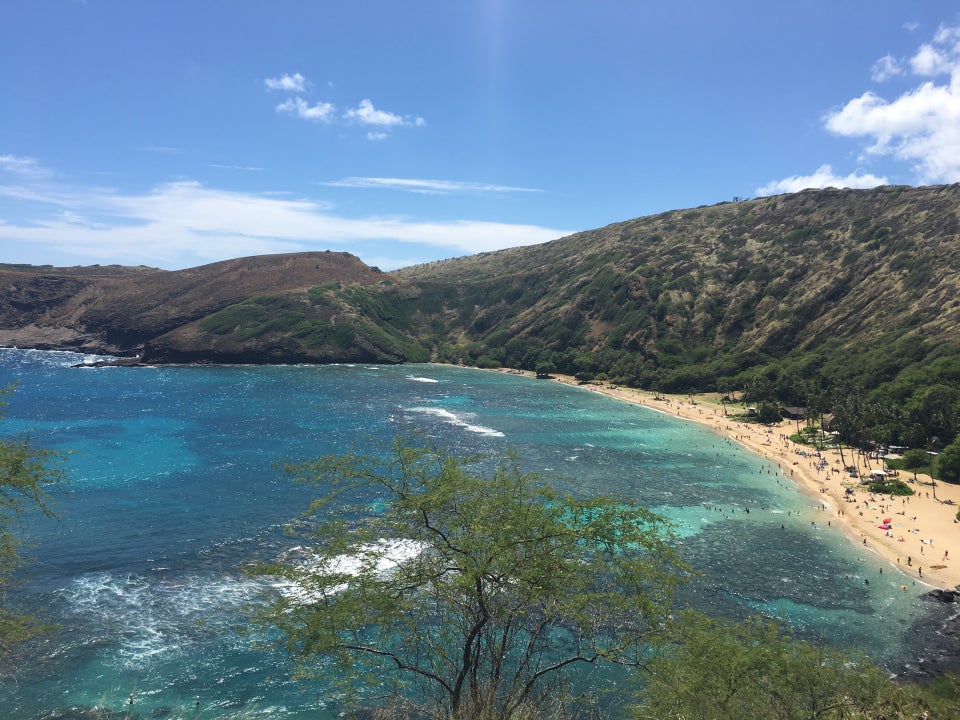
point(289, 83)
point(245, 168)
point(921, 126)
point(885, 68)
point(24, 167)
point(426, 187)
point(163, 149)
point(186, 223)
point(823, 177)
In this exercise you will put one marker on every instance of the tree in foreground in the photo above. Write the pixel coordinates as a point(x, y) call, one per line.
point(725, 670)
point(461, 592)
point(28, 475)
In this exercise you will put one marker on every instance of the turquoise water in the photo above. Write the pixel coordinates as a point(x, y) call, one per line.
point(175, 488)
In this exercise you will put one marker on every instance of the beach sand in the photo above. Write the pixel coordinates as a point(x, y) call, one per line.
point(924, 536)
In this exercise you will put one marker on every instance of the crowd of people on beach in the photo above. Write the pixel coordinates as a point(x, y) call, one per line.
point(877, 521)
point(871, 516)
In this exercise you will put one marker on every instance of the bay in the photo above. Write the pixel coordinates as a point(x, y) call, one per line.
point(175, 487)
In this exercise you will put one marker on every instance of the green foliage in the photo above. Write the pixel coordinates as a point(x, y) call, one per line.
point(335, 323)
point(768, 412)
point(915, 459)
point(29, 476)
point(800, 235)
point(465, 590)
point(949, 463)
point(545, 368)
point(256, 317)
point(486, 362)
point(918, 269)
point(890, 487)
point(723, 670)
point(941, 694)
point(320, 294)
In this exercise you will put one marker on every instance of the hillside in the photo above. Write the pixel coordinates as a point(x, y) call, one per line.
point(689, 299)
point(119, 310)
point(764, 277)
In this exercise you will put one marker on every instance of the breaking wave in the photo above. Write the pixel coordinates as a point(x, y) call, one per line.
point(382, 557)
point(462, 422)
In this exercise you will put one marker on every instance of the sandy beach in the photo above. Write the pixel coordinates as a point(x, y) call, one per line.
point(923, 538)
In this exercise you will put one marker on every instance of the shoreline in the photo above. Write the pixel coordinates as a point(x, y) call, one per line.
point(918, 521)
point(923, 536)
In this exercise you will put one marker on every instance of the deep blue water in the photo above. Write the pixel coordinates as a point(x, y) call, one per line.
point(175, 487)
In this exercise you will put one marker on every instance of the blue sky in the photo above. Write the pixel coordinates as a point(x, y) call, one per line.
point(182, 132)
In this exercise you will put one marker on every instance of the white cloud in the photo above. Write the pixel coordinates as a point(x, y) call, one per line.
point(946, 34)
point(298, 107)
point(921, 126)
point(823, 177)
point(886, 68)
point(426, 187)
point(366, 114)
point(182, 224)
point(288, 83)
point(24, 167)
point(929, 61)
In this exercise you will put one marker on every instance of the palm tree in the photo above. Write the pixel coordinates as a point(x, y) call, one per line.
point(931, 451)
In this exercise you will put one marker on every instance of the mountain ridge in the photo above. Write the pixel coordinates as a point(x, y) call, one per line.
point(680, 299)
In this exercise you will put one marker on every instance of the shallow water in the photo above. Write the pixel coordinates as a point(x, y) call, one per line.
point(175, 488)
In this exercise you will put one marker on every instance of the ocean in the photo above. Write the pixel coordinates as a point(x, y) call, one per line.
point(175, 488)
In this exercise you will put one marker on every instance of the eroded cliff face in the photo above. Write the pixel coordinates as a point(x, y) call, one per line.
point(44, 311)
point(27, 297)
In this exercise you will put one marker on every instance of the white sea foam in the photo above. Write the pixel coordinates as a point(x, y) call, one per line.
point(148, 618)
point(415, 378)
point(456, 420)
point(381, 557)
point(52, 358)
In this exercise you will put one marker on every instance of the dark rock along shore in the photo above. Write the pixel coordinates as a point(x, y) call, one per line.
point(936, 644)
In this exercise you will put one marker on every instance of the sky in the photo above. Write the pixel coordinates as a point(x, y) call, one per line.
point(177, 133)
